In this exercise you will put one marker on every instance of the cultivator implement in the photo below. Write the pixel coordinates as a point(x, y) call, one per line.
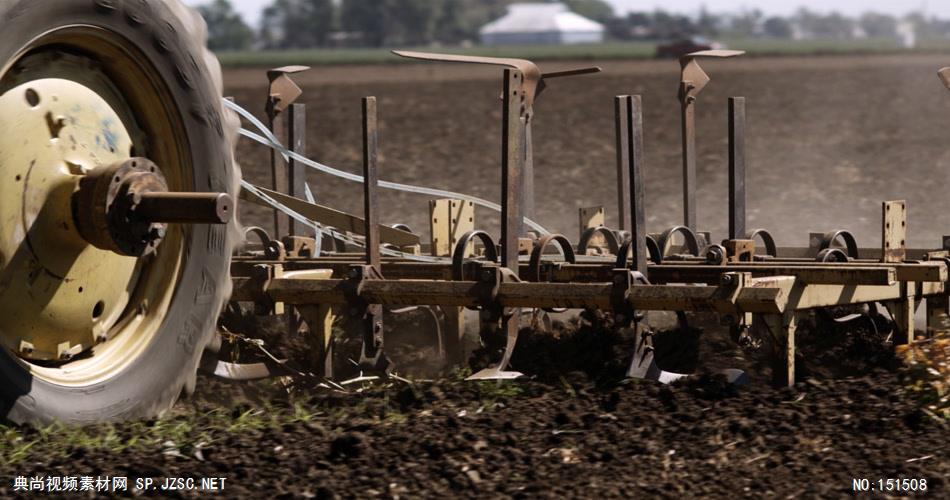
point(118, 231)
point(757, 289)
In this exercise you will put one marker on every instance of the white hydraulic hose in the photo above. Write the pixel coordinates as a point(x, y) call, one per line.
point(268, 139)
point(336, 234)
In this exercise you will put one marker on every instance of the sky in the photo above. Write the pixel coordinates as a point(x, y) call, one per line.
point(251, 9)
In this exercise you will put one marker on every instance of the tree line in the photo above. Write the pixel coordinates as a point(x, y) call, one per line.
point(290, 24)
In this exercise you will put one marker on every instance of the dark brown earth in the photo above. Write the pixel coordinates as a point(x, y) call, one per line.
point(571, 430)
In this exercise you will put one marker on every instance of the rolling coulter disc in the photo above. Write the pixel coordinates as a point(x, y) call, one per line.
point(92, 333)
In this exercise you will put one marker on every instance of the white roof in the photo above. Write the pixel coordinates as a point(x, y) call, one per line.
point(541, 17)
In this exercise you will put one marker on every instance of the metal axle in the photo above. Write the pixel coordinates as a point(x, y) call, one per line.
point(186, 208)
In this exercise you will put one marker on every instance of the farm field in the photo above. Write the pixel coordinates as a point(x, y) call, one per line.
point(829, 138)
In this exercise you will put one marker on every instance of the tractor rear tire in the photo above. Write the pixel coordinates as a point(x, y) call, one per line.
point(168, 39)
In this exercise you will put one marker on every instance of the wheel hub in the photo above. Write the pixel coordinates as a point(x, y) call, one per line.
point(104, 207)
point(58, 294)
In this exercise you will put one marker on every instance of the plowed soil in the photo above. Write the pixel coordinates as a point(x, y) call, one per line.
point(573, 429)
point(829, 138)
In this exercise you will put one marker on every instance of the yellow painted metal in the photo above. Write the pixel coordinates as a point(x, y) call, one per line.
point(58, 293)
point(142, 120)
point(449, 220)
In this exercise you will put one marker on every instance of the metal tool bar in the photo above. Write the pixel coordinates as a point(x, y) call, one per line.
point(592, 273)
point(737, 199)
point(188, 208)
point(919, 272)
point(922, 272)
point(638, 226)
point(869, 254)
point(297, 136)
point(371, 181)
point(519, 294)
point(812, 275)
point(622, 129)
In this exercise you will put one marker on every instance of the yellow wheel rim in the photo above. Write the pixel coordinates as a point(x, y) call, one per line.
point(75, 99)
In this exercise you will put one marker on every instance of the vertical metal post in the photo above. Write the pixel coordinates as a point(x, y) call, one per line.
point(370, 181)
point(689, 156)
point(371, 356)
point(637, 191)
point(279, 180)
point(622, 129)
point(512, 167)
point(514, 120)
point(783, 327)
point(528, 184)
point(737, 200)
point(297, 178)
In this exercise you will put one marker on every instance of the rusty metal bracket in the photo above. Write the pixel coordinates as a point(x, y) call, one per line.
point(894, 231)
point(623, 281)
point(283, 91)
point(372, 357)
point(534, 80)
point(490, 279)
point(739, 250)
point(944, 74)
point(692, 77)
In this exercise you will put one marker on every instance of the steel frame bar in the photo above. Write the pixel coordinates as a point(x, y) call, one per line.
point(737, 199)
point(622, 130)
point(688, 131)
point(297, 178)
point(519, 294)
point(637, 190)
point(562, 272)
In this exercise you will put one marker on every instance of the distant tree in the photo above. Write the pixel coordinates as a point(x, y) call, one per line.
point(833, 25)
point(288, 24)
point(398, 22)
point(414, 20)
point(451, 26)
point(666, 25)
point(878, 25)
point(926, 27)
point(707, 23)
point(226, 29)
point(777, 27)
point(597, 10)
point(366, 18)
point(748, 23)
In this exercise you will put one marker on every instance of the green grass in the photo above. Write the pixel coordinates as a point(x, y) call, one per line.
point(603, 51)
point(182, 434)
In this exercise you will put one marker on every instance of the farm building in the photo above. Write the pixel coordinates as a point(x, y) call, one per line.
point(541, 23)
